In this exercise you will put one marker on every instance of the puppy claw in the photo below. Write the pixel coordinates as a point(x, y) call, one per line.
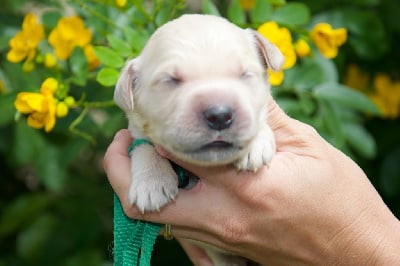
point(260, 153)
point(173, 199)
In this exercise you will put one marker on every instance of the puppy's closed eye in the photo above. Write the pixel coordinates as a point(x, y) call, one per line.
point(171, 80)
point(247, 75)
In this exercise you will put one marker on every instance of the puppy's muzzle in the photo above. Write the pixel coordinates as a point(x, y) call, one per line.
point(219, 117)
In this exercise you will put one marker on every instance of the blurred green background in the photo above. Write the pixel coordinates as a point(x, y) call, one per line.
point(55, 201)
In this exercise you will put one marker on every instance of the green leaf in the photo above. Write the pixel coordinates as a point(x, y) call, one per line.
point(136, 39)
point(107, 76)
point(86, 257)
point(236, 13)
point(208, 7)
point(79, 66)
point(7, 109)
point(306, 104)
point(31, 240)
point(360, 140)
point(20, 211)
point(120, 46)
point(28, 142)
point(346, 96)
point(332, 123)
point(165, 11)
point(50, 19)
point(328, 68)
point(108, 57)
point(303, 77)
point(367, 35)
point(31, 147)
point(114, 122)
point(292, 14)
point(49, 169)
point(261, 12)
point(290, 106)
point(277, 2)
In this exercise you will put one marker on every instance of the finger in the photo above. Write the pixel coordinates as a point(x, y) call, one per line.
point(277, 118)
point(117, 165)
point(201, 236)
point(196, 254)
point(176, 213)
point(290, 134)
point(116, 162)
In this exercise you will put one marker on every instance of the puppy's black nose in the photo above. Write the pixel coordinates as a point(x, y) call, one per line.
point(219, 117)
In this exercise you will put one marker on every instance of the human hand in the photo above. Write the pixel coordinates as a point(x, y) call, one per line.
point(313, 205)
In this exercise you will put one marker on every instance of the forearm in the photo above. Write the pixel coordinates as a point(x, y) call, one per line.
point(373, 241)
point(388, 250)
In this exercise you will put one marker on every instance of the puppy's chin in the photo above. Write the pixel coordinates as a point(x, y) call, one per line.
point(211, 154)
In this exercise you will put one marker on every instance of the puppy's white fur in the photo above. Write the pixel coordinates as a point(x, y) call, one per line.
point(189, 65)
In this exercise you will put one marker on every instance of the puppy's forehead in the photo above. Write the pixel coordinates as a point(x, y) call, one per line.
point(201, 35)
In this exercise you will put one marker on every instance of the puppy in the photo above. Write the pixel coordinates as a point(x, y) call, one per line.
point(199, 89)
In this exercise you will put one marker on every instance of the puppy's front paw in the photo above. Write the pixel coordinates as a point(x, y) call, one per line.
point(152, 194)
point(154, 182)
point(260, 153)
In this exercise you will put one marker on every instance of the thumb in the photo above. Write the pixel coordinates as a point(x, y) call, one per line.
point(277, 118)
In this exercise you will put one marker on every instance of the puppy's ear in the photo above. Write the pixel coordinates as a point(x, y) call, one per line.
point(271, 55)
point(123, 94)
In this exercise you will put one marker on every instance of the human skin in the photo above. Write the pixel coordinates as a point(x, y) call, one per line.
point(311, 206)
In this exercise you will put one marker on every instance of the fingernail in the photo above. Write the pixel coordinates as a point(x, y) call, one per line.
point(161, 151)
point(118, 135)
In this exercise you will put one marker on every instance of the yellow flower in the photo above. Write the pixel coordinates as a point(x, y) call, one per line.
point(69, 33)
point(302, 48)
point(356, 78)
point(120, 3)
point(28, 102)
point(386, 95)
point(24, 43)
point(41, 109)
point(388, 110)
point(93, 61)
point(282, 38)
point(247, 4)
point(62, 109)
point(383, 84)
point(327, 39)
point(49, 60)
point(275, 78)
point(49, 86)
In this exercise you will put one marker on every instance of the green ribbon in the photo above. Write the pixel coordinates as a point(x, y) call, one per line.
point(134, 239)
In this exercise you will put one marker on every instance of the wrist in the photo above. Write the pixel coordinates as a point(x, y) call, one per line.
point(387, 250)
point(370, 242)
